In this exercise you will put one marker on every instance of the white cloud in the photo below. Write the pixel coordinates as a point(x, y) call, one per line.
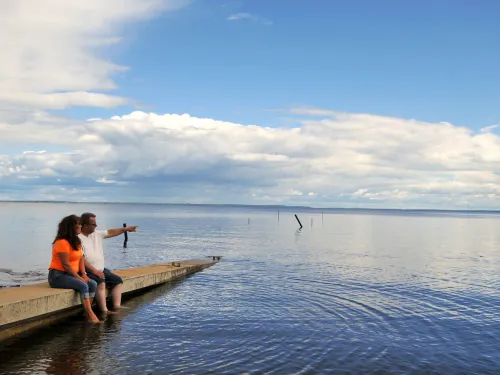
point(309, 111)
point(487, 129)
point(104, 180)
point(240, 16)
point(50, 49)
point(51, 59)
point(248, 16)
point(346, 160)
point(63, 100)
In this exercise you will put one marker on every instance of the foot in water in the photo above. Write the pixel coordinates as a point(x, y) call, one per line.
point(93, 319)
point(120, 308)
point(104, 314)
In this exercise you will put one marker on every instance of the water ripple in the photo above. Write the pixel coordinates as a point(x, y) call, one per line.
point(352, 296)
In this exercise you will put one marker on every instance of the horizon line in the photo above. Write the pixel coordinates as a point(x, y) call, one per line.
point(254, 205)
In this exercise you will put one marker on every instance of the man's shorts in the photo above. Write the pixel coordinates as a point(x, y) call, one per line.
point(110, 278)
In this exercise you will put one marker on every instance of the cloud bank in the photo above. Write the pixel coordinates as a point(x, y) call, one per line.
point(338, 160)
point(54, 57)
point(52, 49)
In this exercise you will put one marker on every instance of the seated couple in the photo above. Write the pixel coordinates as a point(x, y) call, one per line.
point(78, 262)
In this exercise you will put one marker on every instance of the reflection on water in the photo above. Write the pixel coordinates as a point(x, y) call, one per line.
point(349, 294)
point(72, 346)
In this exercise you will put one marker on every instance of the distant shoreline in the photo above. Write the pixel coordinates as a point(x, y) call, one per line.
point(284, 207)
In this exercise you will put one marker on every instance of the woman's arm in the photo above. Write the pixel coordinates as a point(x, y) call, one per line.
point(67, 267)
point(82, 270)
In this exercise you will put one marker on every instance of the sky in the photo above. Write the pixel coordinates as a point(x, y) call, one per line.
point(323, 103)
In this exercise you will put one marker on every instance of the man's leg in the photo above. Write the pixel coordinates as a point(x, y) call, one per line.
point(100, 294)
point(116, 296)
point(100, 297)
point(114, 282)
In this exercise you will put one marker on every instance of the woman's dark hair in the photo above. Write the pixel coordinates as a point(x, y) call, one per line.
point(67, 231)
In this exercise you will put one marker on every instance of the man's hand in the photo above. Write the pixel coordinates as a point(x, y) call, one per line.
point(99, 274)
point(131, 228)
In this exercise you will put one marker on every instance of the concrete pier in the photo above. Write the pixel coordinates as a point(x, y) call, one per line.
point(26, 307)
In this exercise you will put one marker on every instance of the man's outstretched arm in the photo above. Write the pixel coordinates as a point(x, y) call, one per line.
point(117, 231)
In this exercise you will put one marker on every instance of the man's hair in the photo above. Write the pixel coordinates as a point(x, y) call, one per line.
point(85, 218)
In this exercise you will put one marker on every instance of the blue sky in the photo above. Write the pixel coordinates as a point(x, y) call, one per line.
point(430, 60)
point(323, 103)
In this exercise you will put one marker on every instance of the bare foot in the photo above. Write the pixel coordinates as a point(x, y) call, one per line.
point(93, 319)
point(111, 312)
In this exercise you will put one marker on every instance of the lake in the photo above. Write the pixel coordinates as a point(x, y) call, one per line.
point(352, 292)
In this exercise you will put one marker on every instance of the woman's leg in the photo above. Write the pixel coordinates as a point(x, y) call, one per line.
point(58, 279)
point(87, 306)
point(100, 294)
point(92, 285)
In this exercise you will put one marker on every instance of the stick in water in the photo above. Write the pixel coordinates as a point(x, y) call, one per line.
point(298, 220)
point(126, 236)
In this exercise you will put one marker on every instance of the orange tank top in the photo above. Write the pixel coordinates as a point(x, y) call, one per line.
point(63, 246)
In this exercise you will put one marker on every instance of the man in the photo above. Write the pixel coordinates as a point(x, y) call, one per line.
point(94, 260)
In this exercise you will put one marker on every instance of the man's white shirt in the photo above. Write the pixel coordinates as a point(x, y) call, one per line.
point(92, 248)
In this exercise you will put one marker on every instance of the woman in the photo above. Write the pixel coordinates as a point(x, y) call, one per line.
point(67, 268)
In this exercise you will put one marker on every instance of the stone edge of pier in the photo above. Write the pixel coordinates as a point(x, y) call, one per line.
point(31, 306)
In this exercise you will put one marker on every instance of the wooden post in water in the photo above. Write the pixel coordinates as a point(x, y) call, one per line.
point(311, 222)
point(298, 220)
point(126, 236)
point(278, 216)
point(322, 218)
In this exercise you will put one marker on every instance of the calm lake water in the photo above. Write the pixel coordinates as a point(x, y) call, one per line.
point(350, 293)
